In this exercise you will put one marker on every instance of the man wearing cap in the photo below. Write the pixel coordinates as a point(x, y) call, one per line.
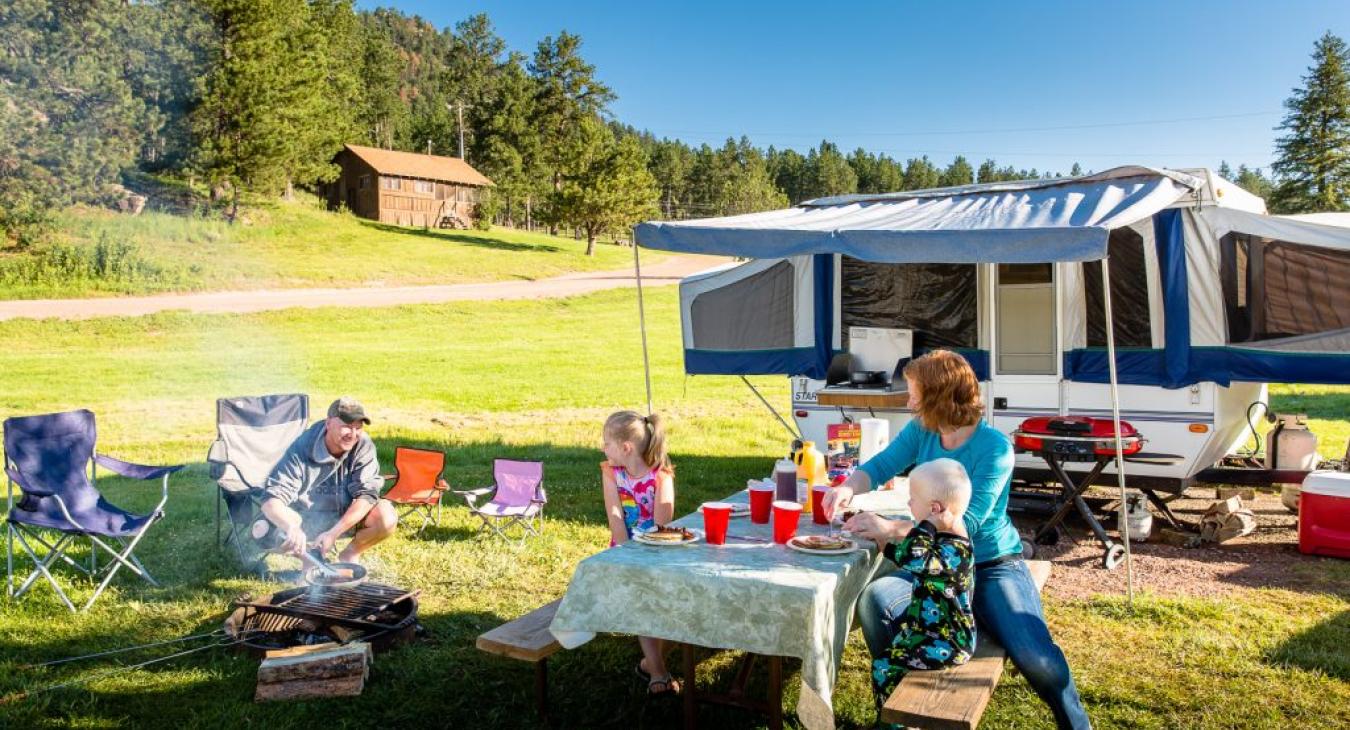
point(330, 470)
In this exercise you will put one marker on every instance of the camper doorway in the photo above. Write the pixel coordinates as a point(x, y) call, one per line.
point(1024, 378)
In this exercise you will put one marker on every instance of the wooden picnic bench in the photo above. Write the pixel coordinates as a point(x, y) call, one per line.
point(955, 698)
point(527, 639)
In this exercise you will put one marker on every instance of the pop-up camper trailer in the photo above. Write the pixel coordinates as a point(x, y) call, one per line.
point(1211, 300)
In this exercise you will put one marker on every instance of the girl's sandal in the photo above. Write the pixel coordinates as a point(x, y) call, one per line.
point(667, 686)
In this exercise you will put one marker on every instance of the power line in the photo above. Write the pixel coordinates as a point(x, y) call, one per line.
point(1009, 130)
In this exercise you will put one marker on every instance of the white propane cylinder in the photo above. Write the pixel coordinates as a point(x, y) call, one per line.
point(1138, 517)
point(1290, 445)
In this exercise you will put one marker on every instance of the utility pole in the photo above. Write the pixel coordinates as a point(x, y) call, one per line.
point(458, 108)
point(428, 147)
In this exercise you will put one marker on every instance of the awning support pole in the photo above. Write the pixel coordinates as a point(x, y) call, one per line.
point(1115, 418)
point(642, 323)
point(772, 410)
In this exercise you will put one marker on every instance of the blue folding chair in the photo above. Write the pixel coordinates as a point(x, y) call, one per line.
point(51, 458)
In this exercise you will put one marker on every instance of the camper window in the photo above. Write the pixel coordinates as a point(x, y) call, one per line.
point(1274, 289)
point(937, 301)
point(754, 313)
point(1025, 319)
point(1129, 293)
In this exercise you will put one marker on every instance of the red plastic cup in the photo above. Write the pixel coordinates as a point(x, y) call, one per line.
point(818, 511)
point(716, 518)
point(786, 515)
point(761, 500)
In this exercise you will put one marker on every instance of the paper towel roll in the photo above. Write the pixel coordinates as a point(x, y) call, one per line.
point(875, 437)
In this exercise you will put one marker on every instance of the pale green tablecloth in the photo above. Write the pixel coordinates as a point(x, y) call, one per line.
point(761, 598)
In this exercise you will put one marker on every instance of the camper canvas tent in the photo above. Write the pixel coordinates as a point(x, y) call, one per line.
point(1206, 290)
point(1212, 298)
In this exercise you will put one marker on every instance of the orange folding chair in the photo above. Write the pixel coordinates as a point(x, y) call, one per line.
point(418, 484)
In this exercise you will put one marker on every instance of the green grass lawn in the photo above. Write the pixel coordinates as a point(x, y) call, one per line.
point(533, 379)
point(284, 244)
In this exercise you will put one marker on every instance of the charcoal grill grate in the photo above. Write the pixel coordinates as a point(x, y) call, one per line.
point(357, 607)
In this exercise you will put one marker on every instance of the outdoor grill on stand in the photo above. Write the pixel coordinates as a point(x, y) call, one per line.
point(1062, 439)
point(380, 614)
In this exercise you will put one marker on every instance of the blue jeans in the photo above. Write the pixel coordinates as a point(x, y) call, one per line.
point(1007, 607)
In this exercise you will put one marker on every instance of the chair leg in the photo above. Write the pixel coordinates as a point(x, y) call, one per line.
point(122, 559)
point(42, 569)
point(9, 559)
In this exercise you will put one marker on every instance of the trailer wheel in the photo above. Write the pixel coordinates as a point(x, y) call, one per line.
point(1113, 556)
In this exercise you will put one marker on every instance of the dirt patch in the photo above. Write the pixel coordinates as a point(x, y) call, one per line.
point(1267, 558)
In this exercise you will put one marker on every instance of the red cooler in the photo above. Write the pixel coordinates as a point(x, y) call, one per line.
point(1324, 514)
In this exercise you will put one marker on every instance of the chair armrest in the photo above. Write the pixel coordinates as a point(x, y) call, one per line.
point(219, 452)
point(218, 458)
point(24, 485)
point(475, 492)
point(441, 485)
point(543, 496)
point(134, 471)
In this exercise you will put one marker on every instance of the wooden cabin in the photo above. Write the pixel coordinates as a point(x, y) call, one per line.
point(405, 188)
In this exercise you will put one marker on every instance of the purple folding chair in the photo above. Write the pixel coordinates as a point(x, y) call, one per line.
point(518, 498)
point(52, 459)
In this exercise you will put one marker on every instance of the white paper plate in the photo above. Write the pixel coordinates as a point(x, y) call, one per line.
point(642, 538)
point(737, 510)
point(792, 545)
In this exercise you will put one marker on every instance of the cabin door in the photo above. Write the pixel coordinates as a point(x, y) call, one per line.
point(1025, 363)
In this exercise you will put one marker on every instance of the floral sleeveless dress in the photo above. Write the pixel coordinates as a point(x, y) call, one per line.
point(637, 497)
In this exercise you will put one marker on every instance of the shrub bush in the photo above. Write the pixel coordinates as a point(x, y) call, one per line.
point(107, 264)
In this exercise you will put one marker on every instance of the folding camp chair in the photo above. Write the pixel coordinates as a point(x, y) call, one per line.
point(252, 434)
point(418, 484)
point(52, 459)
point(517, 498)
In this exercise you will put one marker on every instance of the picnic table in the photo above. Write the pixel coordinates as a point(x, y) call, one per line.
point(751, 596)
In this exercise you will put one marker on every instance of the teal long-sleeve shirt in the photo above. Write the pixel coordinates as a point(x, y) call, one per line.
point(988, 458)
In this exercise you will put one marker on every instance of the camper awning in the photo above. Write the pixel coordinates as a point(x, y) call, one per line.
point(1017, 222)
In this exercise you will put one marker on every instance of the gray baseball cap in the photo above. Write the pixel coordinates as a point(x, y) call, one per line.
point(349, 410)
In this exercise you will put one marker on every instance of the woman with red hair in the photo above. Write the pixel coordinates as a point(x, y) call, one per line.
point(945, 397)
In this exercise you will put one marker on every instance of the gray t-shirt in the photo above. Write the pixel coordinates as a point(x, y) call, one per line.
point(309, 478)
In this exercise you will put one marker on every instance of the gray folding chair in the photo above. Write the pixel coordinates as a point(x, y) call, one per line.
point(252, 434)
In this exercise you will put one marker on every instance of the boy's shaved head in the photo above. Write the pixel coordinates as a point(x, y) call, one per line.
point(941, 480)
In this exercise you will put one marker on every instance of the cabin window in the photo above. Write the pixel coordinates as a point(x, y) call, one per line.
point(1276, 289)
point(1129, 293)
point(424, 186)
point(389, 183)
point(937, 301)
point(363, 182)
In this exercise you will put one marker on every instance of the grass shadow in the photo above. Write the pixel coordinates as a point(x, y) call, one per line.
point(1321, 648)
point(448, 237)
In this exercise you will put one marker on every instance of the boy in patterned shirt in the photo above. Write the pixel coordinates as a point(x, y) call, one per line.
point(937, 629)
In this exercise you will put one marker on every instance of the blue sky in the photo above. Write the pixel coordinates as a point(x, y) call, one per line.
point(1032, 84)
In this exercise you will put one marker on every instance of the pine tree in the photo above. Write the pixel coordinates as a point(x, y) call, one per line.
point(1224, 170)
point(828, 173)
point(241, 139)
point(567, 95)
point(606, 186)
point(1313, 160)
point(920, 174)
point(957, 173)
point(1254, 182)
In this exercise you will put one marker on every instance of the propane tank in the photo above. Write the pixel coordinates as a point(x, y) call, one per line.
point(1138, 517)
point(1290, 445)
